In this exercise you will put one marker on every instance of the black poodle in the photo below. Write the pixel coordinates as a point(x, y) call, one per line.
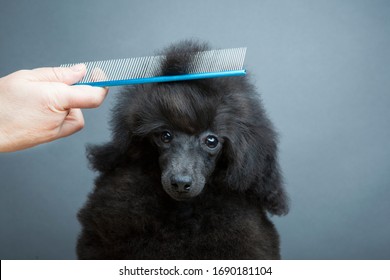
point(190, 173)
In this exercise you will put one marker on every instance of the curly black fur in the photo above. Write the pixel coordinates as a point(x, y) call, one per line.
point(203, 190)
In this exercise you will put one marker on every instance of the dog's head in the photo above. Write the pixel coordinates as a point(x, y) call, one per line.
point(186, 161)
point(199, 133)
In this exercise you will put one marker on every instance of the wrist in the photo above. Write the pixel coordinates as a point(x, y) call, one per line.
point(5, 143)
point(9, 134)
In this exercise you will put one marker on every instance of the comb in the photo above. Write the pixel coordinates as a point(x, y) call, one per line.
point(139, 70)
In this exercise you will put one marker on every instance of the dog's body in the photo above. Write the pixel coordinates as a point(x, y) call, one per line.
point(190, 173)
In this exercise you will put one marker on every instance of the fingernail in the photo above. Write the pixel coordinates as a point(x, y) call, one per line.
point(78, 67)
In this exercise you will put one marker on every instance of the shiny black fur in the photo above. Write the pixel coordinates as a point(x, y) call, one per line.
point(138, 210)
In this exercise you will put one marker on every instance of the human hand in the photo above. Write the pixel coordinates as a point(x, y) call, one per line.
point(40, 105)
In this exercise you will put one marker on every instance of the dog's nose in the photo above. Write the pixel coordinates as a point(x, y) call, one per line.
point(181, 183)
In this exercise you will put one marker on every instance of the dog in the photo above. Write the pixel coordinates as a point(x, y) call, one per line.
point(191, 172)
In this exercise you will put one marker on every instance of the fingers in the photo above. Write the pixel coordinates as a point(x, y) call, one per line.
point(67, 75)
point(80, 97)
point(66, 96)
point(73, 122)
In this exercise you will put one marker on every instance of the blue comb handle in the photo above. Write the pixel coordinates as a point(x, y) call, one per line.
point(162, 79)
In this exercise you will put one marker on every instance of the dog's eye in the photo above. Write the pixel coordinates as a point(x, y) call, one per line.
point(166, 137)
point(211, 141)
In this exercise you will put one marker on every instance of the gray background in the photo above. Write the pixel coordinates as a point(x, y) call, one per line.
point(322, 68)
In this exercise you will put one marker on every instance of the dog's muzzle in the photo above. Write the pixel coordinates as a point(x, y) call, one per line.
point(182, 187)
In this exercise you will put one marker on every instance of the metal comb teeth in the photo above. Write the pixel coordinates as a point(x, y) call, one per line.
point(205, 64)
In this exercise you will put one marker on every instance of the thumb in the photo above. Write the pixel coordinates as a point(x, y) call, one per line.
point(67, 75)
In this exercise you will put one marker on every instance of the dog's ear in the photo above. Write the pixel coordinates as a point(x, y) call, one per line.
point(130, 129)
point(251, 165)
point(104, 157)
point(120, 151)
point(270, 188)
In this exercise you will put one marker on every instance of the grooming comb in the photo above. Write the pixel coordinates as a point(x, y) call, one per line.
point(139, 70)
